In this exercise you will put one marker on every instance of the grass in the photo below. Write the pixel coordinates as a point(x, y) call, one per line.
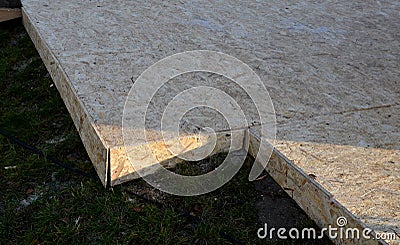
point(42, 203)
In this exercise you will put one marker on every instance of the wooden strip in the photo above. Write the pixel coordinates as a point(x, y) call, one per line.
point(9, 14)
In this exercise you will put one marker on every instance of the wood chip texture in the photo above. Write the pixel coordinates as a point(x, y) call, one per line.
point(332, 69)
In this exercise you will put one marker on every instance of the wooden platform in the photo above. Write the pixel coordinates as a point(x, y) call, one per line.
point(331, 68)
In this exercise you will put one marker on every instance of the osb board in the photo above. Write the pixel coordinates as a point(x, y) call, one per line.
point(313, 198)
point(354, 154)
point(9, 14)
point(98, 153)
point(331, 68)
point(364, 180)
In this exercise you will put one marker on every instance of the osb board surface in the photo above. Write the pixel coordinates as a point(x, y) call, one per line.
point(331, 68)
point(318, 203)
point(364, 180)
point(354, 155)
